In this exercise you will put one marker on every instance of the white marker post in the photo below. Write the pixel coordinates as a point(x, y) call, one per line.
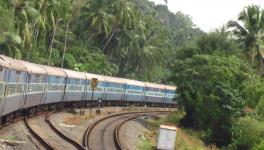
point(167, 137)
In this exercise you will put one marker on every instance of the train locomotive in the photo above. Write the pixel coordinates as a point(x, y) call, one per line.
point(28, 88)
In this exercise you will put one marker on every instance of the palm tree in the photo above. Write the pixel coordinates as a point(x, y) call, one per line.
point(144, 47)
point(249, 29)
point(124, 13)
point(57, 13)
point(94, 22)
point(68, 19)
point(94, 17)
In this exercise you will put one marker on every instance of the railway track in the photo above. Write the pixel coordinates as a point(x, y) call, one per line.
point(50, 137)
point(104, 133)
point(117, 132)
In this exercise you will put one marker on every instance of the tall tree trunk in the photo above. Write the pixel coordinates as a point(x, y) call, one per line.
point(261, 64)
point(85, 45)
point(51, 44)
point(28, 53)
point(122, 66)
point(65, 45)
point(109, 39)
point(252, 57)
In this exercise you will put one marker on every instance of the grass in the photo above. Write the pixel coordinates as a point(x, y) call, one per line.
point(145, 144)
point(186, 139)
point(11, 138)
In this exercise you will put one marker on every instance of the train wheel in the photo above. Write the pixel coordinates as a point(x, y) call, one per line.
point(18, 114)
point(10, 118)
point(1, 120)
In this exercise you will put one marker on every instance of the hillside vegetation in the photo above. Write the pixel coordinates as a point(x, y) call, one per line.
point(133, 39)
point(219, 75)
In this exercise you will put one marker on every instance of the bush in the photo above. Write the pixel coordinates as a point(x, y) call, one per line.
point(69, 61)
point(259, 146)
point(247, 132)
point(209, 89)
point(260, 109)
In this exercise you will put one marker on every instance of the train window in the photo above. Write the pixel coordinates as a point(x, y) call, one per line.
point(29, 77)
point(38, 78)
point(101, 84)
point(115, 85)
point(17, 79)
point(83, 82)
point(89, 82)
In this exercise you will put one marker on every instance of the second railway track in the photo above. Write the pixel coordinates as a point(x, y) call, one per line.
point(49, 136)
point(104, 133)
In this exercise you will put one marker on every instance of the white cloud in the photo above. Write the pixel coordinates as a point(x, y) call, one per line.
point(210, 14)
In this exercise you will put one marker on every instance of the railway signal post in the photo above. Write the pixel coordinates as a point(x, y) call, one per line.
point(99, 104)
point(93, 85)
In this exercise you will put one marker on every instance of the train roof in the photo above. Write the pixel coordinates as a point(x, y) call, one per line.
point(168, 87)
point(21, 65)
point(154, 85)
point(11, 63)
point(74, 74)
point(115, 80)
point(33, 68)
point(54, 71)
point(91, 75)
point(134, 82)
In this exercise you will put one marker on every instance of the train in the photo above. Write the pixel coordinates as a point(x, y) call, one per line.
point(27, 88)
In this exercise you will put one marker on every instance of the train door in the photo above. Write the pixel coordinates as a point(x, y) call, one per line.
point(14, 91)
point(125, 93)
point(104, 87)
point(44, 79)
point(87, 88)
point(83, 84)
point(143, 98)
point(34, 90)
point(164, 96)
point(2, 88)
point(45, 88)
point(22, 84)
point(123, 96)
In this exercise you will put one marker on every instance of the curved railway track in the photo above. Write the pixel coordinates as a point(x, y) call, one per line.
point(117, 132)
point(104, 133)
point(50, 137)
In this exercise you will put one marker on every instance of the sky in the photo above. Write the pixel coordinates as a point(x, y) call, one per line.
point(210, 14)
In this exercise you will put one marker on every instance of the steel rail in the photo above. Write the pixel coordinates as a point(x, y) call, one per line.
point(94, 124)
point(63, 136)
point(40, 139)
point(117, 132)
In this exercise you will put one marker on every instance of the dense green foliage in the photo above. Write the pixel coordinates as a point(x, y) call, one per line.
point(215, 82)
point(220, 85)
point(127, 38)
point(247, 133)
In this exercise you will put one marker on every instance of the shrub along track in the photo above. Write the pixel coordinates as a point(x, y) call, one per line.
point(50, 137)
point(104, 133)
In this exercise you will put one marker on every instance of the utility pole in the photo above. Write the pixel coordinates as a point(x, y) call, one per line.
point(93, 85)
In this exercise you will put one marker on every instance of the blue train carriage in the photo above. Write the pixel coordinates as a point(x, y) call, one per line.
point(55, 86)
point(115, 90)
point(36, 82)
point(155, 94)
point(170, 95)
point(99, 91)
point(75, 86)
point(135, 91)
point(13, 77)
